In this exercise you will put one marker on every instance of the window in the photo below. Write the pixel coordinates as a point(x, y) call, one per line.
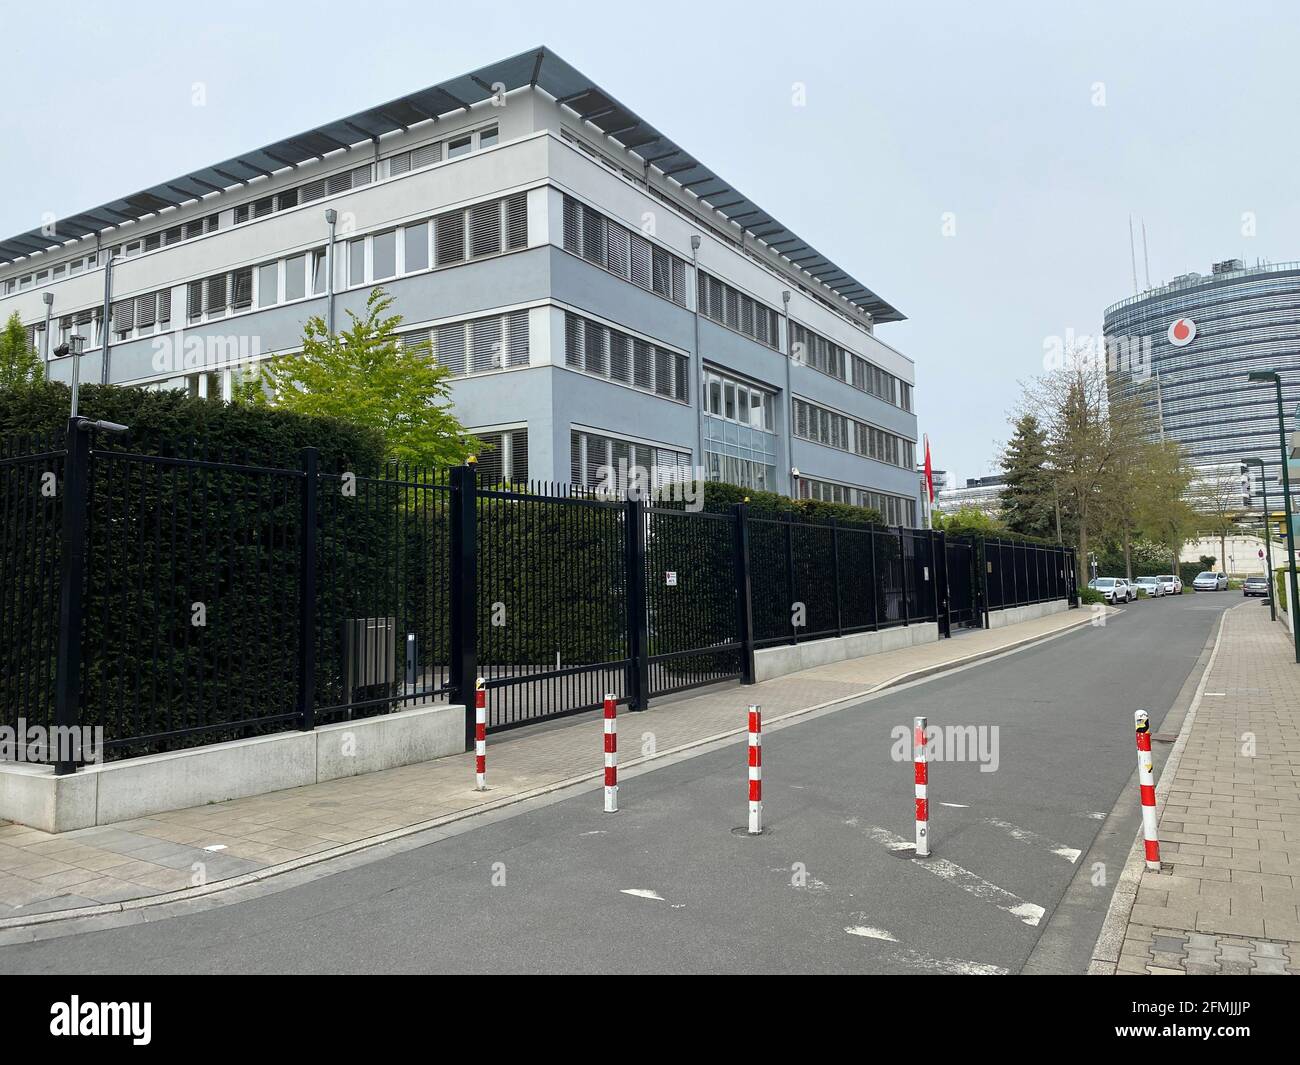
point(295, 277)
point(383, 254)
point(450, 237)
point(241, 289)
point(484, 229)
point(415, 241)
point(487, 136)
point(605, 243)
point(458, 146)
point(604, 352)
point(737, 401)
point(504, 458)
point(319, 279)
point(727, 306)
point(357, 261)
point(598, 460)
point(480, 345)
point(268, 283)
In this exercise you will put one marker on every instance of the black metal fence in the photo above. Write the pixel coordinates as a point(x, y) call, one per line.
point(191, 598)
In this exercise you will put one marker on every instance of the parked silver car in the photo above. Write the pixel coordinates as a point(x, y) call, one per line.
point(1113, 589)
point(1210, 582)
point(1151, 585)
point(1256, 586)
point(1172, 583)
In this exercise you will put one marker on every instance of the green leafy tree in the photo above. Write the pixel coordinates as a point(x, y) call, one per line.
point(19, 362)
point(968, 519)
point(365, 375)
point(1029, 498)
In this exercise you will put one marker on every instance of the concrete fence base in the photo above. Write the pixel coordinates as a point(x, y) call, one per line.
point(1016, 614)
point(136, 787)
point(772, 662)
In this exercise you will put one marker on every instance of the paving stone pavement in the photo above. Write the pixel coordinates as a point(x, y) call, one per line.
point(41, 873)
point(1227, 900)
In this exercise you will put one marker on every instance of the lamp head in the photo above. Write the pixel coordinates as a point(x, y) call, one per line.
point(1262, 375)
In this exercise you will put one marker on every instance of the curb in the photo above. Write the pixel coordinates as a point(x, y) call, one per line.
point(1110, 941)
point(343, 850)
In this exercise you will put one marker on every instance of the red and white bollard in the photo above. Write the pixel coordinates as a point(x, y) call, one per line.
point(755, 770)
point(1147, 785)
point(611, 755)
point(480, 733)
point(919, 756)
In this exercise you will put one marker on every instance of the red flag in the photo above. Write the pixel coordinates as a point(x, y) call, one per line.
point(929, 471)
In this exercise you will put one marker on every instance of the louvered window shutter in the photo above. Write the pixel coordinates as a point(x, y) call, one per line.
point(426, 155)
point(487, 353)
point(572, 226)
point(620, 358)
point(640, 260)
point(264, 207)
point(241, 295)
point(517, 221)
point(594, 348)
point(215, 299)
point(485, 229)
point(663, 278)
point(517, 339)
point(701, 293)
point(679, 282)
point(399, 164)
point(593, 237)
point(450, 237)
point(451, 347)
point(642, 367)
point(575, 457)
point(313, 190)
point(336, 183)
point(519, 456)
point(123, 316)
point(146, 308)
point(572, 340)
point(681, 379)
point(616, 251)
point(490, 465)
point(360, 176)
point(663, 376)
point(194, 301)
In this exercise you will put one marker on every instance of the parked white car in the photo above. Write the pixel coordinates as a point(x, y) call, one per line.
point(1151, 585)
point(1210, 582)
point(1171, 582)
point(1113, 589)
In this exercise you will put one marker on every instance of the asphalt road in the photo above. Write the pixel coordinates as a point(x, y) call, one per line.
point(668, 884)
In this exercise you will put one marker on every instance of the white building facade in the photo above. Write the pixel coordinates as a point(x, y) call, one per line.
point(597, 293)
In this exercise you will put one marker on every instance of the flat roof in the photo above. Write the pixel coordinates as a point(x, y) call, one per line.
point(537, 68)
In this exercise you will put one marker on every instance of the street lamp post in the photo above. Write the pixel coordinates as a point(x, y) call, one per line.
point(1268, 537)
point(1276, 378)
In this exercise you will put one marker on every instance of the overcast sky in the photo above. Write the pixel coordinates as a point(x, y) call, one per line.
point(1034, 132)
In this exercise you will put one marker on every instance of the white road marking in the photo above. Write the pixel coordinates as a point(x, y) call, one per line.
point(1213, 693)
point(643, 893)
point(919, 960)
point(597, 832)
point(216, 847)
point(1028, 912)
point(868, 932)
point(1096, 816)
point(1024, 835)
point(956, 805)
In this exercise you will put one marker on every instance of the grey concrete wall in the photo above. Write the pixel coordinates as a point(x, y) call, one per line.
point(1016, 614)
point(136, 787)
point(772, 662)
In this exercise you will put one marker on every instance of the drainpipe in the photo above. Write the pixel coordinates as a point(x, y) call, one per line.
point(108, 311)
point(331, 217)
point(48, 297)
point(699, 356)
point(789, 402)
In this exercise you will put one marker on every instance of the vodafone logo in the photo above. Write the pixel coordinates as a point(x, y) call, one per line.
point(1181, 332)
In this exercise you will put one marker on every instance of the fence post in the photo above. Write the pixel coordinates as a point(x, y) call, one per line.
point(744, 595)
point(835, 576)
point(877, 589)
point(307, 590)
point(67, 676)
point(902, 568)
point(942, 601)
point(464, 591)
point(981, 563)
point(789, 576)
point(638, 635)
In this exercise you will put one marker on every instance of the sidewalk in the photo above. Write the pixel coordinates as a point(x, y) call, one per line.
point(1226, 900)
point(244, 839)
